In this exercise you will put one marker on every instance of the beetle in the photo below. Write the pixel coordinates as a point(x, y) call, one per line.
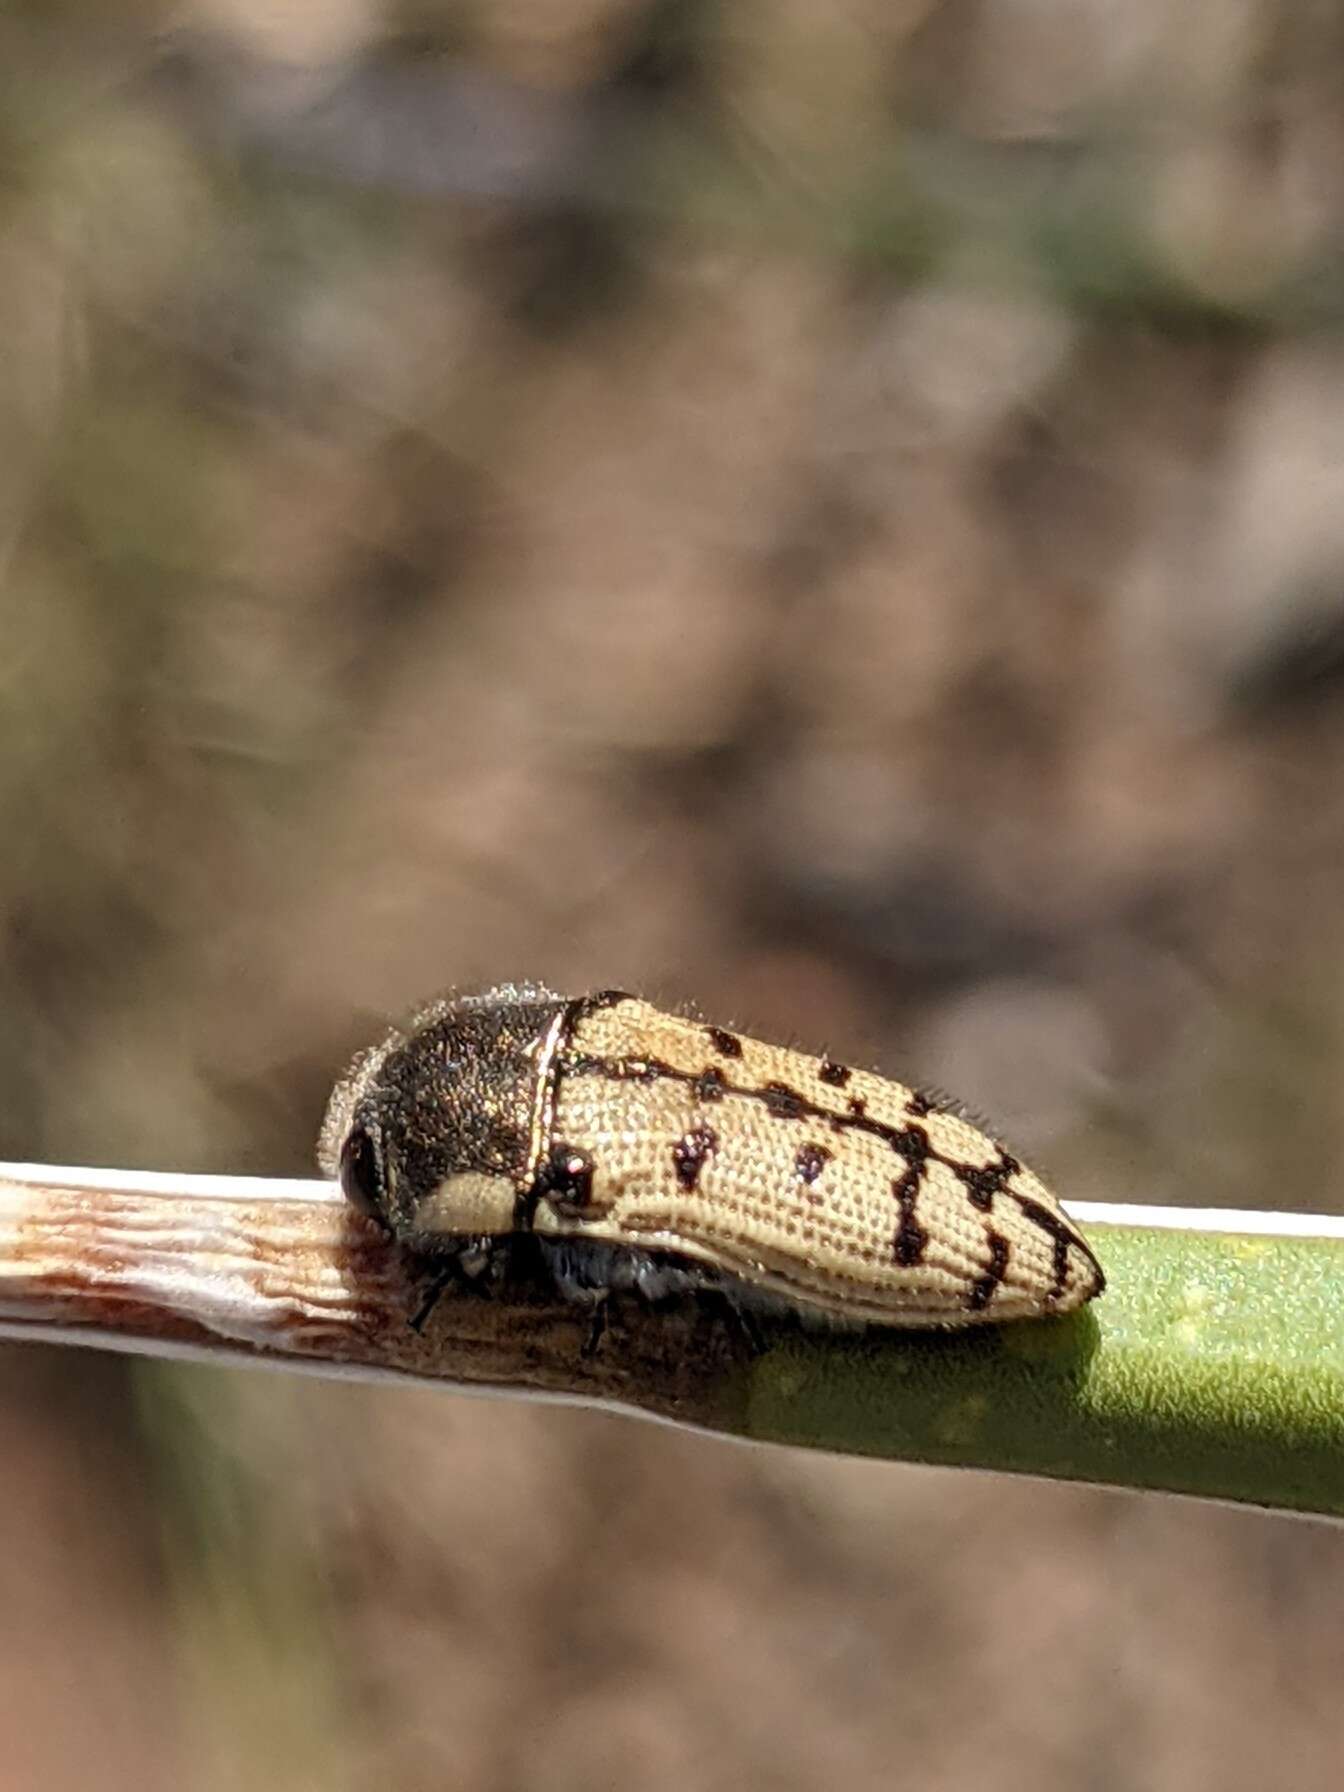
point(640, 1149)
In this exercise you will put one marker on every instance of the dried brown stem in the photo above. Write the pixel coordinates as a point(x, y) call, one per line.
point(248, 1270)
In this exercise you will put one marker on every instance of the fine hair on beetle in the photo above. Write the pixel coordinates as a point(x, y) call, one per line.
point(617, 1148)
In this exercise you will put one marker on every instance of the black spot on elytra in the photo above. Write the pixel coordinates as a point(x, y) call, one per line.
point(567, 1178)
point(711, 1084)
point(810, 1161)
point(918, 1105)
point(982, 1289)
point(911, 1141)
point(784, 1103)
point(1062, 1236)
point(689, 1154)
point(726, 1044)
point(836, 1075)
point(911, 1238)
point(982, 1184)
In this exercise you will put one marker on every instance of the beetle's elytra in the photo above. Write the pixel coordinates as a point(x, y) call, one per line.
point(647, 1150)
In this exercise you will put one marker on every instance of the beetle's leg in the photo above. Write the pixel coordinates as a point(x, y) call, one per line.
point(746, 1324)
point(474, 1269)
point(597, 1328)
point(434, 1294)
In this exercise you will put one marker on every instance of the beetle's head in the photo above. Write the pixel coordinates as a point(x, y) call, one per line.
point(431, 1132)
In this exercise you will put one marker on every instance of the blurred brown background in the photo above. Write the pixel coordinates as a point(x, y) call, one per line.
point(833, 512)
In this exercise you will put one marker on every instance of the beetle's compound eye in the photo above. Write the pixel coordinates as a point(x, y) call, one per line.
point(360, 1181)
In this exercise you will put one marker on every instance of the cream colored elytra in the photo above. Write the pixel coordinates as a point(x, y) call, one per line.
point(822, 1184)
point(636, 1149)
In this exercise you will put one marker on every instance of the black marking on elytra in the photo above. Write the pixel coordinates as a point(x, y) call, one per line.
point(689, 1154)
point(809, 1161)
point(711, 1084)
point(566, 1178)
point(833, 1074)
point(726, 1044)
point(783, 1102)
point(918, 1105)
point(911, 1238)
point(1062, 1237)
point(911, 1141)
point(983, 1288)
point(982, 1184)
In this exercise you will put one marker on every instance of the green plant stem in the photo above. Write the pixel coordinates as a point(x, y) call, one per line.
point(1213, 1365)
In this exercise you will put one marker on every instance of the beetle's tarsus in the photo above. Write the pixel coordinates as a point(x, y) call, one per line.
point(432, 1298)
point(597, 1329)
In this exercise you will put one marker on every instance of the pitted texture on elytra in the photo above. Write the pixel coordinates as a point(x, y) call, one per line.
point(913, 1216)
point(685, 1155)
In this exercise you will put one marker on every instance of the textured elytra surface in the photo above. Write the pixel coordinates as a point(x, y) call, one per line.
point(648, 1141)
point(831, 1185)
